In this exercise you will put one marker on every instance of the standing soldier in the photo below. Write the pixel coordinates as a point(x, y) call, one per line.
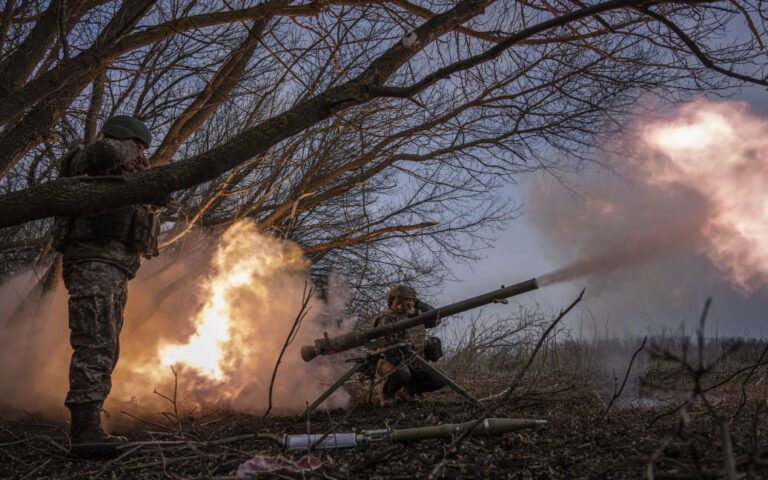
point(100, 254)
point(395, 378)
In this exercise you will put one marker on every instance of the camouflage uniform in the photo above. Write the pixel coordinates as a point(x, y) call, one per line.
point(100, 255)
point(411, 379)
point(97, 296)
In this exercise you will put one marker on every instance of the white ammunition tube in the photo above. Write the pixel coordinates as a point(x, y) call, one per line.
point(295, 443)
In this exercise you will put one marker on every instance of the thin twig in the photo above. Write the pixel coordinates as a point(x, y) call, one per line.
point(729, 460)
point(173, 402)
point(743, 400)
point(305, 308)
point(31, 472)
point(617, 392)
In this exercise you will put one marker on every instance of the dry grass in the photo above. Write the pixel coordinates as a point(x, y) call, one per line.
point(690, 408)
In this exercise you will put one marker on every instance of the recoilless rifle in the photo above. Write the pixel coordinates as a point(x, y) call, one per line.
point(350, 340)
point(366, 364)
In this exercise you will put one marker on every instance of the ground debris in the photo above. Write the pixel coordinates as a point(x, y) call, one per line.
point(576, 443)
point(716, 432)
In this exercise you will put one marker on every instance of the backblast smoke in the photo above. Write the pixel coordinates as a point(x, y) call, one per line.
point(219, 314)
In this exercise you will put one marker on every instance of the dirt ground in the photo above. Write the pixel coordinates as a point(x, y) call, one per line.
point(635, 440)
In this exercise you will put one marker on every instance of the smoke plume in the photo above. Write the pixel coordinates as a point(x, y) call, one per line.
point(219, 312)
point(685, 214)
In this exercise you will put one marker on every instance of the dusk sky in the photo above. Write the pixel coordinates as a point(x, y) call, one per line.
point(523, 251)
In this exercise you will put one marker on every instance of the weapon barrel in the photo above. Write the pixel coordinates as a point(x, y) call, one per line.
point(346, 341)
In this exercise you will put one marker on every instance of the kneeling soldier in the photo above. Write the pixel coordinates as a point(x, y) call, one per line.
point(396, 377)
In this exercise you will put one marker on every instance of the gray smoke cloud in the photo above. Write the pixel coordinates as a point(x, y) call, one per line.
point(31, 341)
point(649, 252)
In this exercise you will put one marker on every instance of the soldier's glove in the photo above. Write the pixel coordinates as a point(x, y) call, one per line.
point(135, 161)
point(433, 349)
point(168, 202)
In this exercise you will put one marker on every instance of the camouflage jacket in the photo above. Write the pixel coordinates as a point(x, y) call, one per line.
point(107, 156)
point(415, 335)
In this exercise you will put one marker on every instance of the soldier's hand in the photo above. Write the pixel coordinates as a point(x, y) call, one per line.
point(137, 164)
point(172, 204)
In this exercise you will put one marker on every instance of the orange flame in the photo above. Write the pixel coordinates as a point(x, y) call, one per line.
point(244, 262)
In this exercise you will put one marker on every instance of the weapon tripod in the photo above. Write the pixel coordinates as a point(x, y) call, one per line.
point(367, 365)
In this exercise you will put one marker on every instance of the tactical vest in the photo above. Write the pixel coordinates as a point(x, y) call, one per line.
point(134, 226)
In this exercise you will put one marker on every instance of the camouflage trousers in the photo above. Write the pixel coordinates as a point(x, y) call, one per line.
point(411, 378)
point(97, 296)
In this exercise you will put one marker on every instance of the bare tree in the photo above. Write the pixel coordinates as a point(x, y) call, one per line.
point(375, 134)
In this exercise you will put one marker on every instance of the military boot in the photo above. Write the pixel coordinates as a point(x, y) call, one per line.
point(88, 438)
point(386, 399)
point(389, 383)
point(404, 395)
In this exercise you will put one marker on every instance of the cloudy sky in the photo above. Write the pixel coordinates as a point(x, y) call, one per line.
point(663, 294)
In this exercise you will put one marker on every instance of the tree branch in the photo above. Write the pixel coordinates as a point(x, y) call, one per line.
point(365, 238)
point(697, 52)
point(72, 196)
point(501, 47)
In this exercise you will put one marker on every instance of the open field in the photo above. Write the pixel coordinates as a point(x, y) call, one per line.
point(653, 429)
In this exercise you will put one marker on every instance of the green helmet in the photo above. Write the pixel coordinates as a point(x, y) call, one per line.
point(125, 126)
point(400, 291)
